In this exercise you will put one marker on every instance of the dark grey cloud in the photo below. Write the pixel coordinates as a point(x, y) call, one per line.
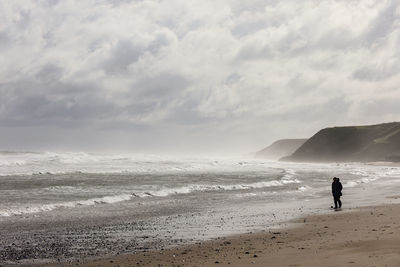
point(247, 28)
point(122, 55)
point(163, 86)
point(49, 74)
point(51, 3)
point(5, 39)
point(44, 99)
point(384, 23)
point(128, 51)
point(250, 52)
point(375, 73)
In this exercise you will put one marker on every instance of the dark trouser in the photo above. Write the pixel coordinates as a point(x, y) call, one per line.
point(336, 199)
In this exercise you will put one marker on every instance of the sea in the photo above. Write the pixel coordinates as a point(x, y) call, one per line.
point(66, 206)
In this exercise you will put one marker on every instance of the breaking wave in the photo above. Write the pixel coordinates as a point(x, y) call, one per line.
point(203, 188)
point(16, 163)
point(71, 204)
point(163, 192)
point(365, 178)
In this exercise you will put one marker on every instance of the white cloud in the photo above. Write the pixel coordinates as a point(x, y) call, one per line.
point(201, 69)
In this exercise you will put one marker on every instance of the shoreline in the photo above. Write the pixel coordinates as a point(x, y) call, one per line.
point(384, 163)
point(366, 236)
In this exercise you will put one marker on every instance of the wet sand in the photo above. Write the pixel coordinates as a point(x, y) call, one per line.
point(366, 237)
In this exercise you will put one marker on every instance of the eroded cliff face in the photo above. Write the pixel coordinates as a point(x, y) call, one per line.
point(379, 142)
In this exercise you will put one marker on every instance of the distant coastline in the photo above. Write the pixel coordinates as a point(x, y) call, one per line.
point(369, 143)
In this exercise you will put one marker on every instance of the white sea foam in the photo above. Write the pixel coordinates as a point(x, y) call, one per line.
point(364, 180)
point(203, 188)
point(64, 189)
point(70, 204)
point(58, 163)
point(365, 177)
point(162, 192)
point(304, 188)
point(289, 174)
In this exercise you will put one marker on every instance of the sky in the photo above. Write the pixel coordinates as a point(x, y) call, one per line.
point(184, 76)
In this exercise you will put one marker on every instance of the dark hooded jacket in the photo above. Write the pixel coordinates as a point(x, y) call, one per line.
point(337, 188)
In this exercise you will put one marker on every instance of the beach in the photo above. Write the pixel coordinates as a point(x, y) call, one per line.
point(369, 236)
point(79, 208)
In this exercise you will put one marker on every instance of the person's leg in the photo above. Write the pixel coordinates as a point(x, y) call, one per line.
point(340, 202)
point(335, 200)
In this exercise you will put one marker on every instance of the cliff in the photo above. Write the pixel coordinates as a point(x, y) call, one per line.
point(379, 142)
point(280, 148)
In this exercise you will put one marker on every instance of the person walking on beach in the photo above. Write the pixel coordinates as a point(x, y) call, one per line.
point(337, 192)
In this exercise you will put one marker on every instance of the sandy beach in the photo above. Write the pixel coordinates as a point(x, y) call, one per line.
point(368, 236)
point(155, 215)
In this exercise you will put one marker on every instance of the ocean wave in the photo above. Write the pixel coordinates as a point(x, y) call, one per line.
point(71, 204)
point(70, 162)
point(66, 189)
point(206, 187)
point(288, 174)
point(162, 192)
point(304, 188)
point(8, 163)
point(364, 180)
point(301, 189)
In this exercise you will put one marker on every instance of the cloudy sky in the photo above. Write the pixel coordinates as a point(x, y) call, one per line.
point(191, 76)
